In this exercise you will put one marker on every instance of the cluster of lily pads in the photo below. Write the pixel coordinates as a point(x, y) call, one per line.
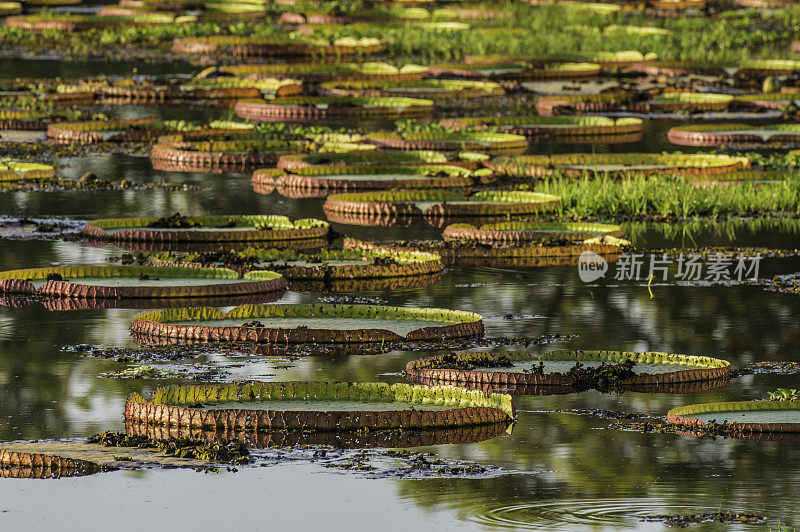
point(440, 130)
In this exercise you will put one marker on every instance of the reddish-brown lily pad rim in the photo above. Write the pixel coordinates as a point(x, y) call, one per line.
point(431, 89)
point(305, 109)
point(20, 282)
point(676, 68)
point(189, 156)
point(453, 254)
point(632, 102)
point(401, 203)
point(479, 141)
point(701, 369)
point(377, 157)
point(391, 438)
point(169, 406)
point(257, 47)
point(403, 263)
point(558, 126)
point(39, 23)
point(579, 164)
point(322, 177)
point(135, 229)
point(721, 134)
point(519, 232)
point(316, 72)
point(161, 323)
point(91, 131)
point(533, 71)
point(15, 464)
point(684, 415)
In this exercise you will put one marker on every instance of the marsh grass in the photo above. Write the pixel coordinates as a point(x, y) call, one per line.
point(668, 197)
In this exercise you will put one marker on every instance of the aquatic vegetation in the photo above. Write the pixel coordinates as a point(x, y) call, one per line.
point(233, 452)
point(581, 370)
point(784, 394)
point(301, 323)
point(172, 405)
point(117, 282)
point(667, 198)
point(208, 229)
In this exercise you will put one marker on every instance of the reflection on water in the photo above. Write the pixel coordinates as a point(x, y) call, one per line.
point(571, 472)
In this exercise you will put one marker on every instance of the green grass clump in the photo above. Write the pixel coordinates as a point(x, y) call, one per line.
point(671, 197)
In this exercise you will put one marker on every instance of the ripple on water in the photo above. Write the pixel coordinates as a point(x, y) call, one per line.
point(589, 513)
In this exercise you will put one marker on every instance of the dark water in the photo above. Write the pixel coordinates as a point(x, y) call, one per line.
point(565, 469)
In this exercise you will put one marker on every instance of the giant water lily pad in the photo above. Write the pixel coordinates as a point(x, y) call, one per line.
point(534, 254)
point(320, 72)
point(633, 102)
point(564, 369)
point(312, 108)
point(17, 170)
point(221, 156)
point(198, 90)
point(727, 134)
point(480, 141)
point(623, 58)
point(741, 416)
point(585, 128)
point(138, 129)
point(425, 157)
point(118, 282)
point(79, 22)
point(324, 265)
point(315, 323)
point(516, 70)
point(517, 232)
point(259, 47)
point(770, 100)
point(379, 206)
point(318, 406)
point(23, 119)
point(426, 88)
point(70, 458)
point(620, 164)
point(365, 177)
point(179, 228)
point(10, 8)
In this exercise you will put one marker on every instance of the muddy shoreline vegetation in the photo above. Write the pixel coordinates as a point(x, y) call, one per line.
point(399, 240)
